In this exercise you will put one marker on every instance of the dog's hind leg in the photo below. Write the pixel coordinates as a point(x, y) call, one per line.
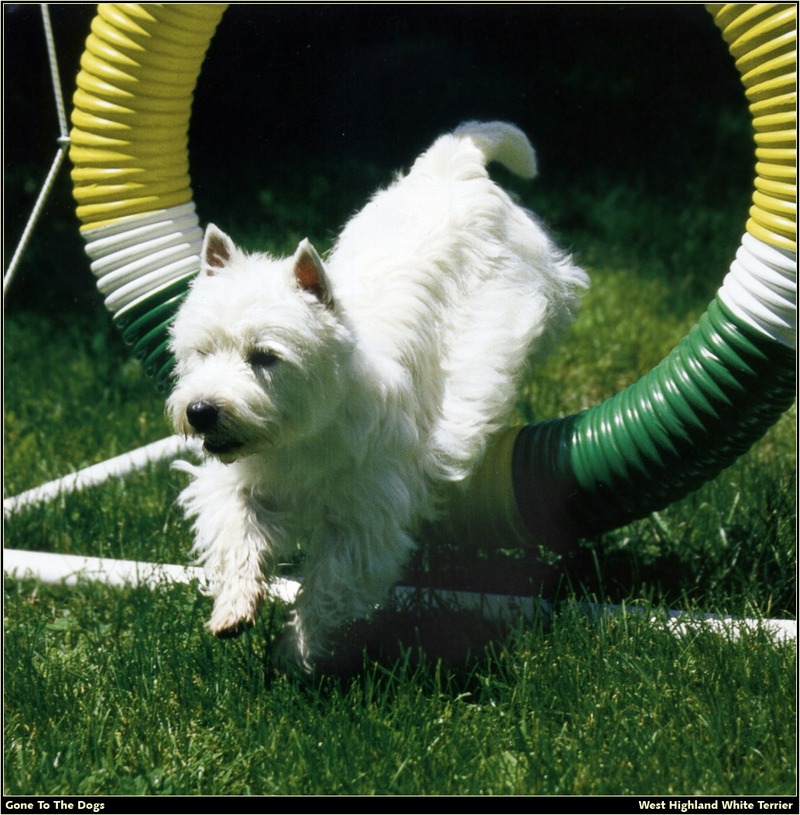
point(347, 576)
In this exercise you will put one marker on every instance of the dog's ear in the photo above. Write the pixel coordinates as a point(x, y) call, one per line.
point(218, 249)
point(309, 272)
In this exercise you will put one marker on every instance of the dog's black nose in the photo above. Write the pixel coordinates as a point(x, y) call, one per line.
point(202, 415)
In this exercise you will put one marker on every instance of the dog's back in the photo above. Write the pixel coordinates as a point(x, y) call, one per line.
point(451, 287)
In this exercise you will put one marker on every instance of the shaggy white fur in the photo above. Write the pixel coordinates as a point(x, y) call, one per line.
point(335, 398)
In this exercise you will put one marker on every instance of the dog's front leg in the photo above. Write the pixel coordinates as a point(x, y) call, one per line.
point(236, 573)
point(233, 541)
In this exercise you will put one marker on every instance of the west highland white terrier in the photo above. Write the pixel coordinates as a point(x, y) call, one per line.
point(335, 398)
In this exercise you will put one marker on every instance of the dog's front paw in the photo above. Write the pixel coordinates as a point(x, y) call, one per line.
point(229, 632)
point(233, 615)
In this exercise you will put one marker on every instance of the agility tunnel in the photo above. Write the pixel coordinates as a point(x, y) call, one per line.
point(551, 483)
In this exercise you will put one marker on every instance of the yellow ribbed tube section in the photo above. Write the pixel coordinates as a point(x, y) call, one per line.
point(129, 138)
point(763, 40)
point(129, 150)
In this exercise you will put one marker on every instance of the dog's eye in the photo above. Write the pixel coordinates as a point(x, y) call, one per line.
point(260, 358)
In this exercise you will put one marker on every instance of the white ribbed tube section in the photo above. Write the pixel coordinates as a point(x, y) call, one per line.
point(761, 289)
point(136, 257)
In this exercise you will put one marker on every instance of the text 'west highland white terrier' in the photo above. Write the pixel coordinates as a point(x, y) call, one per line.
point(334, 398)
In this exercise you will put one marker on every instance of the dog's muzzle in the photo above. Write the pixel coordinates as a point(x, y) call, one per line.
point(204, 417)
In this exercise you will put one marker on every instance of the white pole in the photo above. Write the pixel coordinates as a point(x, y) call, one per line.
point(69, 570)
point(168, 448)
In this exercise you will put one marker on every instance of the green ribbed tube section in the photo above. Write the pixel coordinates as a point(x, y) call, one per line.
point(680, 425)
point(722, 387)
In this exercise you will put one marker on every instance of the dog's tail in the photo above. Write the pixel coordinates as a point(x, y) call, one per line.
point(503, 142)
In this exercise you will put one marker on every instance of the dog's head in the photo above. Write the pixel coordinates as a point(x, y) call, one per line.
point(259, 350)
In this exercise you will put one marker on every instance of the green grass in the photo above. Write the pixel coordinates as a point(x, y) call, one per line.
point(131, 697)
point(123, 692)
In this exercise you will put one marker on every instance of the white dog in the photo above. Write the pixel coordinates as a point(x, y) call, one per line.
point(334, 398)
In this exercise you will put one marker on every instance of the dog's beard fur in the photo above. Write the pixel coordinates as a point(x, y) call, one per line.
point(333, 398)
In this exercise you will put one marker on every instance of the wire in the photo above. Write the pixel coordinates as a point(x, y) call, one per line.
point(55, 76)
point(63, 146)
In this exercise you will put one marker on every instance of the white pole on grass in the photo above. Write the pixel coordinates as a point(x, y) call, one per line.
point(162, 450)
point(69, 570)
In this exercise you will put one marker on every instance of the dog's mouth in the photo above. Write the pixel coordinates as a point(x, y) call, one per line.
point(221, 448)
